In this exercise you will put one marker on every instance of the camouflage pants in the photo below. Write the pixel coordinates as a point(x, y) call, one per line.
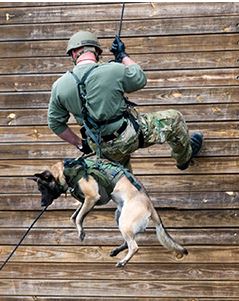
point(157, 128)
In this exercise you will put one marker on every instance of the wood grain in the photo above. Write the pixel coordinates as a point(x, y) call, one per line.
point(162, 61)
point(73, 12)
point(213, 254)
point(165, 26)
point(139, 272)
point(105, 218)
point(195, 113)
point(178, 200)
point(35, 135)
point(126, 288)
point(156, 79)
point(155, 184)
point(112, 237)
point(146, 97)
point(61, 150)
point(141, 166)
point(136, 45)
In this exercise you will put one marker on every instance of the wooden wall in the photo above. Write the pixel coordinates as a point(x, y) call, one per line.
point(190, 52)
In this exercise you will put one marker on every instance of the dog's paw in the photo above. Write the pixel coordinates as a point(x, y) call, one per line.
point(82, 235)
point(113, 253)
point(181, 254)
point(120, 264)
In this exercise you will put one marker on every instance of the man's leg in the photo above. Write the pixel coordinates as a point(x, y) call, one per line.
point(169, 126)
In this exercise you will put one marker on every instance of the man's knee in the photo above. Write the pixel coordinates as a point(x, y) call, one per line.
point(175, 115)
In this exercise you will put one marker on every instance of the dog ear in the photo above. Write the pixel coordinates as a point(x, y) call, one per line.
point(45, 176)
point(57, 171)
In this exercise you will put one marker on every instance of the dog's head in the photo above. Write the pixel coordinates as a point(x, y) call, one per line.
point(48, 186)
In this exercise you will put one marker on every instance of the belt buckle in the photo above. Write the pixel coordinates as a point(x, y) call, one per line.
point(116, 134)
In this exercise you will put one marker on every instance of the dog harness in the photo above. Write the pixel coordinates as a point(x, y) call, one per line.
point(106, 174)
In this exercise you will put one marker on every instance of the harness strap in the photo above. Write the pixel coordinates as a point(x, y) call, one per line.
point(87, 120)
point(91, 121)
point(105, 172)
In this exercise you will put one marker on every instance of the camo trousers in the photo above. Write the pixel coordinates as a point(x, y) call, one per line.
point(157, 128)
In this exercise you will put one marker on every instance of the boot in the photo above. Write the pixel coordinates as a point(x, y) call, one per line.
point(196, 144)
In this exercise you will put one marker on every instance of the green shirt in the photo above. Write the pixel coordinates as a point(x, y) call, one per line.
point(105, 87)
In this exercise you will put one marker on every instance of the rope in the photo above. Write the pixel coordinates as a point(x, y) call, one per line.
point(14, 250)
point(121, 19)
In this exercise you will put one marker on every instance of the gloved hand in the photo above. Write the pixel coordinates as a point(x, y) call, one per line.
point(118, 49)
point(84, 148)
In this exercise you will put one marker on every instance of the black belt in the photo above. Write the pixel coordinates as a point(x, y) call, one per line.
point(116, 134)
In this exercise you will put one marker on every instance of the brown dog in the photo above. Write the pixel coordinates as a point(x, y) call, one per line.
point(134, 207)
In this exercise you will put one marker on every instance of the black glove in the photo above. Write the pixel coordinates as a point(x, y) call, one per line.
point(118, 49)
point(85, 148)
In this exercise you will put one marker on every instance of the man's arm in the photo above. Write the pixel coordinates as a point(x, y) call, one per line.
point(69, 136)
point(57, 120)
point(134, 78)
point(127, 61)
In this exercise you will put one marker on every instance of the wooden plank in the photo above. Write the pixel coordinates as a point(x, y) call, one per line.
point(24, 100)
point(192, 78)
point(141, 166)
point(199, 112)
point(143, 27)
point(105, 218)
point(59, 151)
point(177, 200)
point(135, 45)
point(156, 79)
point(147, 97)
point(112, 237)
point(38, 134)
point(154, 254)
point(195, 113)
point(162, 61)
point(71, 13)
point(133, 271)
point(60, 298)
point(15, 134)
point(28, 4)
point(124, 288)
point(180, 95)
point(64, 298)
point(155, 184)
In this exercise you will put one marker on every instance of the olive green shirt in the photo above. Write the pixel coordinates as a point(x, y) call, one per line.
point(105, 86)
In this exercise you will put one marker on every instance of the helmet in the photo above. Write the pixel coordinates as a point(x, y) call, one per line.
point(83, 38)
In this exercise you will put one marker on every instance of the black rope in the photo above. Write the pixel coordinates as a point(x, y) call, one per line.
point(121, 19)
point(14, 250)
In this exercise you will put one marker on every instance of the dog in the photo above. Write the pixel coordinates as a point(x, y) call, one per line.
point(134, 207)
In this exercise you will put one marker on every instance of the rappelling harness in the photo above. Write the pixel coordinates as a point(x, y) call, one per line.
point(92, 127)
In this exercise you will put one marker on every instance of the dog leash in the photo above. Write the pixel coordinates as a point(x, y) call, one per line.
point(21, 240)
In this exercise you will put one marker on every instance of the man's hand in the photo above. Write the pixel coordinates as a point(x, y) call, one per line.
point(84, 148)
point(118, 49)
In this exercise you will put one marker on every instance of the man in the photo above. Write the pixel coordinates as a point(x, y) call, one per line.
point(94, 94)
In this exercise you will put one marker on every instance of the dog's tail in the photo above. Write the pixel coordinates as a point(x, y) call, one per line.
point(164, 238)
